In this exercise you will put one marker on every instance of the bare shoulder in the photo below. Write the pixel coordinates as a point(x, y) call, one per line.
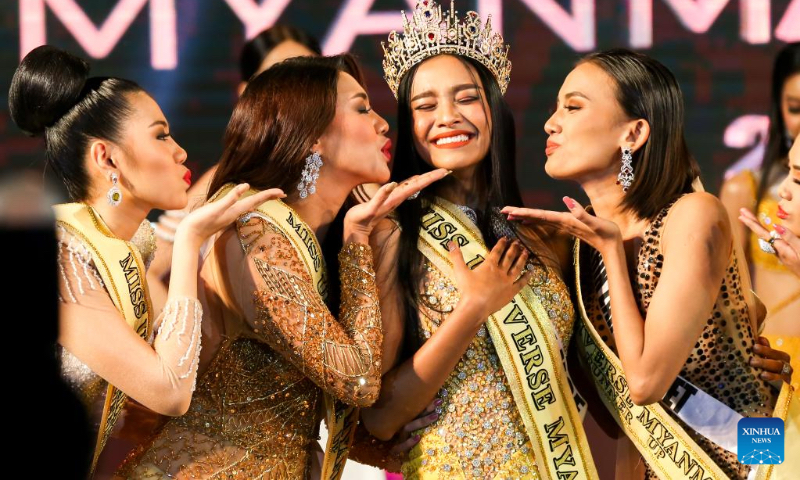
point(698, 216)
point(738, 191)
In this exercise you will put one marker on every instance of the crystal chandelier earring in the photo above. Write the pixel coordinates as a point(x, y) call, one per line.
point(625, 177)
point(309, 176)
point(114, 195)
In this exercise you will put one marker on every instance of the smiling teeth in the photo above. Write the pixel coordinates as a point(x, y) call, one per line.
point(457, 138)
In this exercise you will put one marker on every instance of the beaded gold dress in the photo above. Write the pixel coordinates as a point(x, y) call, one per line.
point(271, 348)
point(479, 432)
point(719, 361)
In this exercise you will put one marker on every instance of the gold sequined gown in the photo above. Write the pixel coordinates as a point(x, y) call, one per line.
point(719, 361)
point(270, 348)
point(479, 432)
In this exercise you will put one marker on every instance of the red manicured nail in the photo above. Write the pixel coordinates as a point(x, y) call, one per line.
point(570, 203)
point(780, 229)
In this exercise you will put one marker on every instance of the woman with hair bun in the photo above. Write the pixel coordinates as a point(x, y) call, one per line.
point(110, 144)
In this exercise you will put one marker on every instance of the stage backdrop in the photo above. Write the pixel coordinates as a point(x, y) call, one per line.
point(185, 52)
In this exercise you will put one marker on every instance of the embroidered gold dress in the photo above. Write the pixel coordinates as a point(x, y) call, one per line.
point(479, 432)
point(272, 348)
point(719, 362)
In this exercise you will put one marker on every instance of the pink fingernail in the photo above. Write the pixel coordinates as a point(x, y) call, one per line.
point(780, 229)
point(570, 203)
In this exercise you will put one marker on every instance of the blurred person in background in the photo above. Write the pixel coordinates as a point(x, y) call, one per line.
point(783, 242)
point(759, 192)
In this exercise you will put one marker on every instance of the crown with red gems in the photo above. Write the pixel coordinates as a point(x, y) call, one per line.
point(430, 33)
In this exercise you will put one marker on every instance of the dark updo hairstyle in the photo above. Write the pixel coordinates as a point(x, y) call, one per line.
point(256, 50)
point(773, 166)
point(664, 167)
point(52, 95)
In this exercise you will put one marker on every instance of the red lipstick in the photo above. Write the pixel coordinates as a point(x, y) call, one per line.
point(387, 150)
point(551, 147)
point(187, 177)
point(468, 136)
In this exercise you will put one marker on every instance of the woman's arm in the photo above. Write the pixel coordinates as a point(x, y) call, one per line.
point(696, 243)
point(92, 329)
point(285, 310)
point(161, 377)
point(738, 192)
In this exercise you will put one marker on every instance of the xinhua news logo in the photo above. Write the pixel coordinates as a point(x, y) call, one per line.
point(760, 441)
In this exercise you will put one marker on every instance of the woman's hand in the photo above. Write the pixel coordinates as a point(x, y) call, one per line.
point(493, 284)
point(404, 441)
point(214, 216)
point(786, 243)
point(362, 218)
point(775, 363)
point(600, 233)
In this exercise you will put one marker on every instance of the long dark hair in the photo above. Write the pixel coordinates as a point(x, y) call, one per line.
point(280, 116)
point(664, 167)
point(52, 95)
point(256, 50)
point(496, 184)
point(787, 63)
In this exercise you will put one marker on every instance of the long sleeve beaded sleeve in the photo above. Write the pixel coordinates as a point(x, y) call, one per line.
point(159, 371)
point(341, 357)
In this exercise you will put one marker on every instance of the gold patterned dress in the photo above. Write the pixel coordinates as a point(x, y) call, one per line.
point(271, 348)
point(479, 432)
point(720, 360)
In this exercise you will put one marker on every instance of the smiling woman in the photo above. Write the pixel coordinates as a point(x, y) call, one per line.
point(451, 268)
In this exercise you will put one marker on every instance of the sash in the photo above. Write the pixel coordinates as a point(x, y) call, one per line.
point(665, 444)
point(120, 265)
point(705, 414)
point(341, 418)
point(528, 349)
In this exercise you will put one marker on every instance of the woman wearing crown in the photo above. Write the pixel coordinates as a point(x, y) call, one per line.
point(463, 322)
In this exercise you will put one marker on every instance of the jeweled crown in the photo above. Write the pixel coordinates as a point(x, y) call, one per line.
point(430, 33)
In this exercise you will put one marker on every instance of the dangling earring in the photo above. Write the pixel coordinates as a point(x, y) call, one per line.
point(625, 177)
point(309, 176)
point(114, 195)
